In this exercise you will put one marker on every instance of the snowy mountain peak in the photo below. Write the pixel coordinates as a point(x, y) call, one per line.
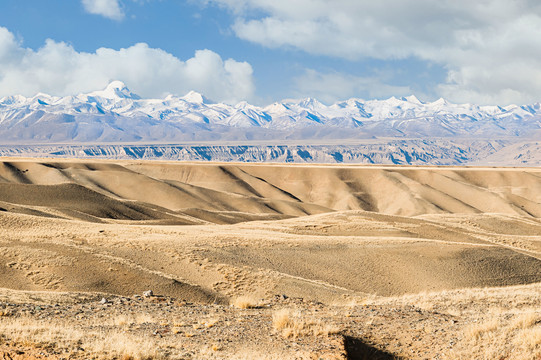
point(12, 99)
point(310, 103)
point(115, 114)
point(353, 103)
point(440, 102)
point(413, 99)
point(116, 85)
point(393, 102)
point(114, 91)
point(195, 97)
point(244, 105)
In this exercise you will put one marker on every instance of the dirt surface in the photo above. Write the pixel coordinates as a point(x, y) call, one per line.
point(429, 326)
point(268, 261)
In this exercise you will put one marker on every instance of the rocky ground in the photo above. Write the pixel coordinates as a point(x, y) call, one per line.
point(454, 325)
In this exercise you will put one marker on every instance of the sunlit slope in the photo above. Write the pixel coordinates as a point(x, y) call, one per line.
point(388, 190)
point(169, 191)
point(321, 257)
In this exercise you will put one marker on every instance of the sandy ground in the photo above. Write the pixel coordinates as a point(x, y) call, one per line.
point(318, 261)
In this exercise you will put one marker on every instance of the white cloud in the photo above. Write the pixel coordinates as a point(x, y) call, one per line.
point(335, 86)
point(491, 48)
point(108, 8)
point(58, 69)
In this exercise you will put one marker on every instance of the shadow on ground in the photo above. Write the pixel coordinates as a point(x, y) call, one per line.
point(356, 349)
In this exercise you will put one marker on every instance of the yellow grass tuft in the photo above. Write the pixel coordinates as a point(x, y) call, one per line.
point(291, 324)
point(526, 320)
point(112, 344)
point(529, 338)
point(477, 330)
point(284, 318)
point(245, 302)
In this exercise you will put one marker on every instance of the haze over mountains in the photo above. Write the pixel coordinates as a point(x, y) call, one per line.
point(426, 131)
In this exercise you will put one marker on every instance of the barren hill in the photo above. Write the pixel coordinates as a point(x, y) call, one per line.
point(304, 238)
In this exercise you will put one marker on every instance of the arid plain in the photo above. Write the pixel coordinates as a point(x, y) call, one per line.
point(270, 261)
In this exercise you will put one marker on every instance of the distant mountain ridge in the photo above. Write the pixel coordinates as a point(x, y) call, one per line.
point(116, 115)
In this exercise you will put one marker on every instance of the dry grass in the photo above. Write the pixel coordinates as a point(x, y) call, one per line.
point(526, 320)
point(292, 324)
point(246, 302)
point(503, 336)
point(126, 345)
point(494, 323)
point(284, 318)
point(476, 331)
point(494, 298)
point(529, 338)
point(31, 332)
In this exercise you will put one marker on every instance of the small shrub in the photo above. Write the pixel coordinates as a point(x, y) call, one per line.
point(245, 302)
point(291, 324)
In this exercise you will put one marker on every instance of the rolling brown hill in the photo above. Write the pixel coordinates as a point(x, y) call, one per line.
point(322, 230)
point(238, 192)
point(388, 254)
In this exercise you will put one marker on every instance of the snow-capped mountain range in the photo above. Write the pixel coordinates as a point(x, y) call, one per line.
point(115, 115)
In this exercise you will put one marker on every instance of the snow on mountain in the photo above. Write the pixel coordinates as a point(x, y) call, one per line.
point(114, 91)
point(115, 114)
point(196, 98)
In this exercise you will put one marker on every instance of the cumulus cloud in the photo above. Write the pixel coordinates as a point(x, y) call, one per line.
point(491, 48)
point(334, 86)
point(58, 69)
point(108, 8)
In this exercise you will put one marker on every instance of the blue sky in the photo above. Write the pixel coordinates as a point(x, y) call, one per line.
point(487, 52)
